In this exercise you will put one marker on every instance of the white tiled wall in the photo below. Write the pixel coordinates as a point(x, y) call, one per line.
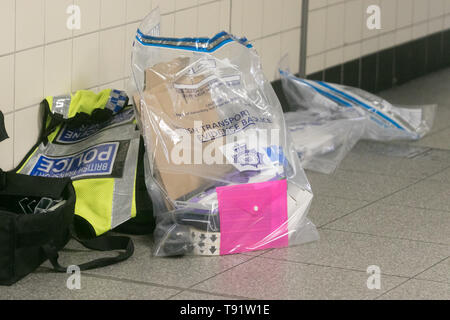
point(39, 56)
point(337, 30)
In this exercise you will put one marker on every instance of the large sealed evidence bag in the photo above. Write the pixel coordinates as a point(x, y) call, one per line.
point(329, 119)
point(224, 177)
point(385, 121)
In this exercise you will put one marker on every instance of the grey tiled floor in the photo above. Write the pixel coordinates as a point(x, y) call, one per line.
point(377, 209)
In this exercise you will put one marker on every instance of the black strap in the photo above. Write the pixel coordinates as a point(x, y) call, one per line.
point(103, 243)
point(56, 119)
point(3, 136)
point(3, 133)
point(2, 180)
point(33, 186)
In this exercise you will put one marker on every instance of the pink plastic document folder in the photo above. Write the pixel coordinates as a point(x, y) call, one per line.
point(253, 216)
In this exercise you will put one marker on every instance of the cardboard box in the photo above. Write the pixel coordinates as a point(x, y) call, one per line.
point(175, 101)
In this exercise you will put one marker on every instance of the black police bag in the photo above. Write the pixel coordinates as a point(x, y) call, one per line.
point(29, 236)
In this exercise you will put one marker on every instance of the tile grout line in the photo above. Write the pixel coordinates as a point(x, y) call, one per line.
point(44, 52)
point(344, 198)
point(351, 43)
point(130, 23)
point(193, 290)
point(71, 55)
point(211, 293)
point(275, 33)
point(381, 174)
point(202, 281)
point(190, 7)
point(229, 18)
point(411, 144)
point(295, 262)
point(418, 274)
point(412, 278)
point(339, 197)
point(434, 281)
point(95, 31)
point(152, 284)
point(386, 196)
point(393, 288)
point(125, 280)
point(258, 255)
point(327, 266)
point(90, 88)
point(181, 289)
point(360, 57)
point(173, 12)
point(421, 208)
point(406, 278)
point(125, 45)
point(14, 89)
point(99, 43)
point(384, 236)
point(430, 280)
point(80, 35)
point(126, 24)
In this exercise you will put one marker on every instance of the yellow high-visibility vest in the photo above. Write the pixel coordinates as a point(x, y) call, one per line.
point(93, 139)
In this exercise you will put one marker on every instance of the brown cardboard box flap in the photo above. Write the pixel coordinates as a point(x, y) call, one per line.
point(167, 108)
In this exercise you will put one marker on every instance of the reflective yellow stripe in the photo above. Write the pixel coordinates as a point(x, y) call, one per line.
point(50, 102)
point(87, 101)
point(94, 202)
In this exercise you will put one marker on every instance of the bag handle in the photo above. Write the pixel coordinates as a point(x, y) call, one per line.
point(41, 237)
point(103, 243)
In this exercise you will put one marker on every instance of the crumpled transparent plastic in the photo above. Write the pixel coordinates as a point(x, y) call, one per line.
point(385, 122)
point(322, 140)
point(220, 166)
point(322, 136)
